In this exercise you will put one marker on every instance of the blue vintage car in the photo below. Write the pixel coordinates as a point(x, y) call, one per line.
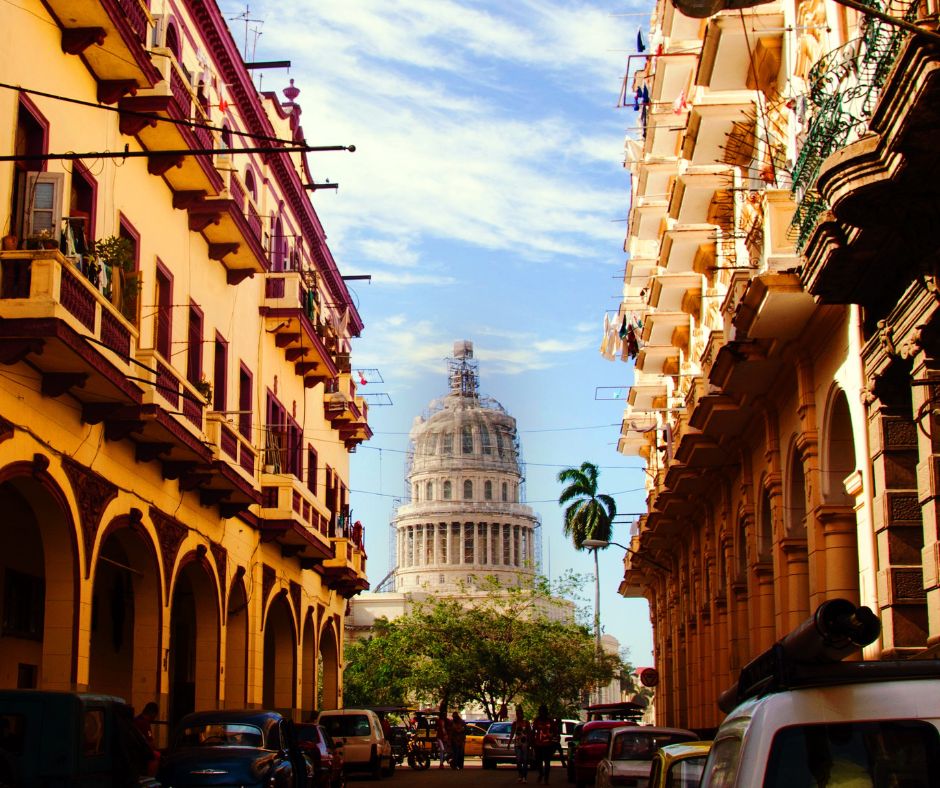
point(226, 747)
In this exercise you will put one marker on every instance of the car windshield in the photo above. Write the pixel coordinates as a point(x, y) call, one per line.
point(346, 724)
point(640, 745)
point(597, 736)
point(686, 773)
point(220, 734)
point(500, 728)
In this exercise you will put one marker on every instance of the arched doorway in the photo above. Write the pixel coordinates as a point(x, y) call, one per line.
point(280, 656)
point(38, 566)
point(328, 667)
point(236, 648)
point(194, 640)
point(308, 662)
point(124, 648)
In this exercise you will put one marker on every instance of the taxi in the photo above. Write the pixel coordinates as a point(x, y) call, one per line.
point(679, 765)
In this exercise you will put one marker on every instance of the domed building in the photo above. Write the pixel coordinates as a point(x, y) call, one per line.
point(466, 518)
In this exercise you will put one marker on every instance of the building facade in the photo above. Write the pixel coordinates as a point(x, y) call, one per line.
point(779, 307)
point(176, 400)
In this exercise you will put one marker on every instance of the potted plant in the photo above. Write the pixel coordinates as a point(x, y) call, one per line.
point(204, 387)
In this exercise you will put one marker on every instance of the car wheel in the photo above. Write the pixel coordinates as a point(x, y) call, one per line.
point(376, 769)
point(489, 763)
point(391, 768)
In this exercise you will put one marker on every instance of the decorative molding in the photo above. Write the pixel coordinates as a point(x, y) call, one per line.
point(170, 535)
point(93, 493)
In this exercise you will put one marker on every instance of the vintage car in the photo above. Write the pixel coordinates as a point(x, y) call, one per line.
point(365, 747)
point(325, 754)
point(70, 738)
point(630, 754)
point(228, 747)
point(679, 765)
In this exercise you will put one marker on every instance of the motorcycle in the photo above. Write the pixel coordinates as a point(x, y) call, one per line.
point(407, 747)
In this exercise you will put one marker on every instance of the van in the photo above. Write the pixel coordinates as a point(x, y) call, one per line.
point(365, 747)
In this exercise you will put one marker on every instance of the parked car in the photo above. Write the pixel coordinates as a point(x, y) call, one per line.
point(496, 748)
point(629, 755)
point(325, 755)
point(567, 730)
point(592, 739)
point(71, 738)
point(679, 765)
point(365, 747)
point(475, 733)
point(228, 747)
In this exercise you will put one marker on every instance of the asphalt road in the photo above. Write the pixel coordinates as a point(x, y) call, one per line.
point(471, 775)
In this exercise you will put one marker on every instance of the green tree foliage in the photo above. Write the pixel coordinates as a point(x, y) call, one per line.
point(589, 514)
point(499, 645)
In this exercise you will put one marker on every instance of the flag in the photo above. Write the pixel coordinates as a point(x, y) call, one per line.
point(640, 44)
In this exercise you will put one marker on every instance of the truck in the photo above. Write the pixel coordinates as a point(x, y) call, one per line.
point(80, 740)
point(799, 716)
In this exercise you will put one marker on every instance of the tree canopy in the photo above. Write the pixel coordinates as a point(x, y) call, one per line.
point(499, 645)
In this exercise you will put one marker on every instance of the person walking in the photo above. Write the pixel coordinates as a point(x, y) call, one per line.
point(520, 738)
point(458, 740)
point(443, 737)
point(542, 731)
point(557, 728)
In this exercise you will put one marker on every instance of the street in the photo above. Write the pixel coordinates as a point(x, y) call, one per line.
point(471, 775)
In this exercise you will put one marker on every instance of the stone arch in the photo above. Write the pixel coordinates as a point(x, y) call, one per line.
point(795, 495)
point(236, 643)
point(280, 655)
point(765, 526)
point(125, 642)
point(838, 449)
point(194, 636)
point(328, 662)
point(39, 551)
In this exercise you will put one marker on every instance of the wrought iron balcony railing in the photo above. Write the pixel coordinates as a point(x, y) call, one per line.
point(844, 88)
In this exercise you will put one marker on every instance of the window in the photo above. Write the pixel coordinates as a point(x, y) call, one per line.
point(312, 471)
point(429, 491)
point(82, 208)
point(499, 443)
point(447, 443)
point(244, 402)
point(466, 439)
point(507, 545)
point(895, 752)
point(505, 492)
point(23, 605)
point(442, 538)
point(467, 490)
point(447, 491)
point(41, 206)
point(488, 490)
point(468, 554)
point(485, 445)
point(163, 314)
point(440, 580)
point(219, 374)
point(194, 345)
point(455, 541)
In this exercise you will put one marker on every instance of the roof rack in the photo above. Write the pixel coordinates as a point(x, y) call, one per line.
point(810, 654)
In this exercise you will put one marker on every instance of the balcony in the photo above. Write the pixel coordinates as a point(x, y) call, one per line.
point(668, 328)
point(52, 317)
point(659, 360)
point(775, 306)
point(703, 195)
point(730, 38)
point(112, 37)
point(646, 217)
point(690, 248)
point(346, 571)
point(357, 430)
point(292, 516)
point(173, 98)
point(677, 293)
point(291, 313)
point(722, 129)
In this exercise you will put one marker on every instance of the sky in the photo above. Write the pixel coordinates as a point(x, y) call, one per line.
point(487, 199)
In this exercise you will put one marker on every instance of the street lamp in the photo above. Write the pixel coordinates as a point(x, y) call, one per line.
point(600, 544)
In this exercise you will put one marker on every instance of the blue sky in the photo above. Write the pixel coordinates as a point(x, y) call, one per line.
point(487, 199)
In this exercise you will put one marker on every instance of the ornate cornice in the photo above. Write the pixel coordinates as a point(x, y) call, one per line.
point(93, 493)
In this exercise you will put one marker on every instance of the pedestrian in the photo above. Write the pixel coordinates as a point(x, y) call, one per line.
point(443, 737)
point(458, 739)
point(519, 737)
point(542, 732)
point(145, 720)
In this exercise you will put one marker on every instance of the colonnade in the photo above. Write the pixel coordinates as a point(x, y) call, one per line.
point(491, 544)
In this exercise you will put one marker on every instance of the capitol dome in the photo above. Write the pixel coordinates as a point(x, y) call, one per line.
point(465, 518)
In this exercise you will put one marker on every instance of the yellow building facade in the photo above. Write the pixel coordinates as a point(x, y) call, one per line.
point(779, 308)
point(176, 401)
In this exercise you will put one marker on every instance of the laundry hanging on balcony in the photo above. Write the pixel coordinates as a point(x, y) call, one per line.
point(640, 43)
point(621, 337)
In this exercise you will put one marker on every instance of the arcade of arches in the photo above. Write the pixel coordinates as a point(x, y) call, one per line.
point(102, 595)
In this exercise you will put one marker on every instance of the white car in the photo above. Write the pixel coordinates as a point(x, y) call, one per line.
point(567, 728)
point(630, 754)
point(365, 747)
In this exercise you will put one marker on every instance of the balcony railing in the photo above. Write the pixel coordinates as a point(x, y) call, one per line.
point(844, 88)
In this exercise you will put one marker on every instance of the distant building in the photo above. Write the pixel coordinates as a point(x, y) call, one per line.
point(465, 518)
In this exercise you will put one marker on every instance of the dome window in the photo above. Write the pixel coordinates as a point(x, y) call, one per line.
point(466, 439)
point(505, 492)
point(488, 490)
point(429, 491)
point(467, 490)
point(447, 443)
point(485, 444)
point(447, 491)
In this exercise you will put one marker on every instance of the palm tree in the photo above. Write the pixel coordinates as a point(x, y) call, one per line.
point(588, 515)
